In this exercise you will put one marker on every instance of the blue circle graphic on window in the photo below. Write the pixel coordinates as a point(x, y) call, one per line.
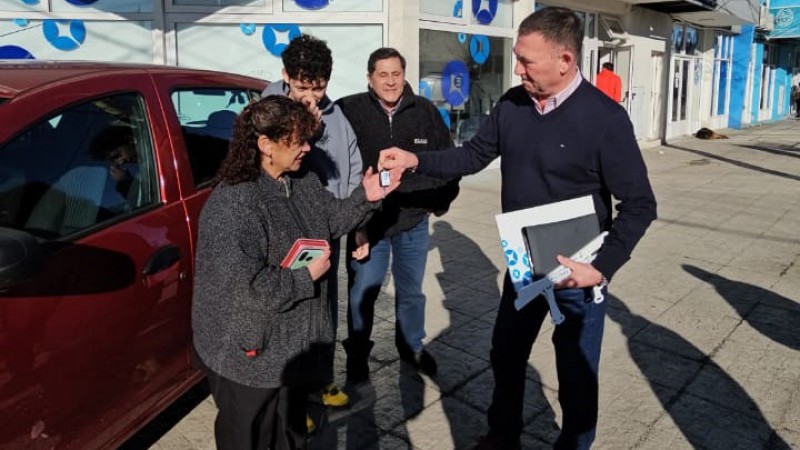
point(458, 8)
point(455, 83)
point(312, 4)
point(511, 257)
point(484, 10)
point(277, 37)
point(445, 115)
point(77, 34)
point(462, 37)
point(22, 23)
point(31, 2)
point(14, 52)
point(247, 28)
point(81, 2)
point(479, 48)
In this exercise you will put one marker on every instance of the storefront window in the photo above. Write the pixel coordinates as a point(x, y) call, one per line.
point(219, 2)
point(259, 47)
point(463, 75)
point(333, 6)
point(145, 6)
point(81, 40)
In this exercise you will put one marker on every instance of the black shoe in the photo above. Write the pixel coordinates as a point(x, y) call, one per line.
point(422, 361)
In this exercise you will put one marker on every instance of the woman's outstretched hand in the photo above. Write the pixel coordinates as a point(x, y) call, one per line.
point(373, 188)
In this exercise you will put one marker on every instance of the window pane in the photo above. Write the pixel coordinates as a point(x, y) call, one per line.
point(84, 40)
point(219, 2)
point(100, 166)
point(17, 5)
point(206, 117)
point(333, 6)
point(102, 6)
point(463, 75)
point(258, 48)
point(443, 8)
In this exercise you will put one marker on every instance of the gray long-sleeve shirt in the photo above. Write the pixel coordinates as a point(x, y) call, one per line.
point(244, 301)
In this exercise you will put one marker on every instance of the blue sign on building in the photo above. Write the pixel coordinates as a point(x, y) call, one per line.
point(787, 22)
point(64, 42)
point(277, 37)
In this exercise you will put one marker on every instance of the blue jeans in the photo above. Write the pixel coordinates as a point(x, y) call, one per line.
point(409, 253)
point(577, 346)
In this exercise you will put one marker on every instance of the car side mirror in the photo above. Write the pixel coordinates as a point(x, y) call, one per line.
point(20, 257)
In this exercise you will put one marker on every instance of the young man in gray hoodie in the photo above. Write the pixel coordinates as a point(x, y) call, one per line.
point(334, 155)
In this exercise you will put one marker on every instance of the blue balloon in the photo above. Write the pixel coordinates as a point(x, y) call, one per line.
point(455, 83)
point(484, 10)
point(312, 4)
point(14, 52)
point(270, 37)
point(77, 34)
point(479, 48)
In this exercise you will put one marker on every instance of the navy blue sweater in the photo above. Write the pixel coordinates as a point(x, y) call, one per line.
point(586, 146)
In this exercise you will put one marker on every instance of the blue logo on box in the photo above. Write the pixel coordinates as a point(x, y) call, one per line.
point(277, 37)
point(14, 52)
point(77, 34)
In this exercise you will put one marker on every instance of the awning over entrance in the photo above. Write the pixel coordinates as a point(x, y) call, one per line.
point(786, 24)
point(705, 13)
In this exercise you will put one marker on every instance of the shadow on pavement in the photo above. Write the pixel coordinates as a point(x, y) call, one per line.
point(772, 315)
point(708, 406)
point(164, 422)
point(734, 162)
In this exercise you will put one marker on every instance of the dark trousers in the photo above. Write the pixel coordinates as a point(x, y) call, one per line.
point(258, 419)
point(797, 107)
point(577, 347)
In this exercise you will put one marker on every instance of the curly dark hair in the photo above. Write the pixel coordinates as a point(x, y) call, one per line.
point(278, 118)
point(307, 59)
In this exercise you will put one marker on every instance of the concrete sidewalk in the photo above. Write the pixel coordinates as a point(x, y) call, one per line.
point(702, 336)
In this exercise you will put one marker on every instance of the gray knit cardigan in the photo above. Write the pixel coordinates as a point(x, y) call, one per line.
point(244, 301)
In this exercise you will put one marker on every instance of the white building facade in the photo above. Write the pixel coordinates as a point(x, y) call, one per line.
point(675, 64)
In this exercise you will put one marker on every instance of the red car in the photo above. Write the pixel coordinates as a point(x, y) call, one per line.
point(103, 171)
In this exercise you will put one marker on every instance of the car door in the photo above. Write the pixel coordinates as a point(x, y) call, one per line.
point(94, 344)
point(200, 113)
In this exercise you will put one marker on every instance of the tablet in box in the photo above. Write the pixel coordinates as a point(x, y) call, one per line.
point(547, 240)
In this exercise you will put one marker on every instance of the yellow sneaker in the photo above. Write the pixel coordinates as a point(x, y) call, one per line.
point(310, 424)
point(334, 397)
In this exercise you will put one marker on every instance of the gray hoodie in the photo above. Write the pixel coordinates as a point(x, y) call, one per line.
point(334, 156)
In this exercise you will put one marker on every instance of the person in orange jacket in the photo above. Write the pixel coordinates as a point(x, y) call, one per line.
point(609, 82)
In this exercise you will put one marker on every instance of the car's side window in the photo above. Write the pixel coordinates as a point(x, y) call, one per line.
point(206, 116)
point(82, 166)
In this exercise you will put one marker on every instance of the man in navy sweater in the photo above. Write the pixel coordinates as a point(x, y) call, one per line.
point(559, 138)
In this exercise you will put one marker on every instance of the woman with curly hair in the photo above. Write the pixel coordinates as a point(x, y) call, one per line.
point(264, 332)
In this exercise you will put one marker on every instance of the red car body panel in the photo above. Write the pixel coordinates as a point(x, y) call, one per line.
point(91, 349)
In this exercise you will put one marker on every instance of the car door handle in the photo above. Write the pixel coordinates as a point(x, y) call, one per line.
point(162, 259)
